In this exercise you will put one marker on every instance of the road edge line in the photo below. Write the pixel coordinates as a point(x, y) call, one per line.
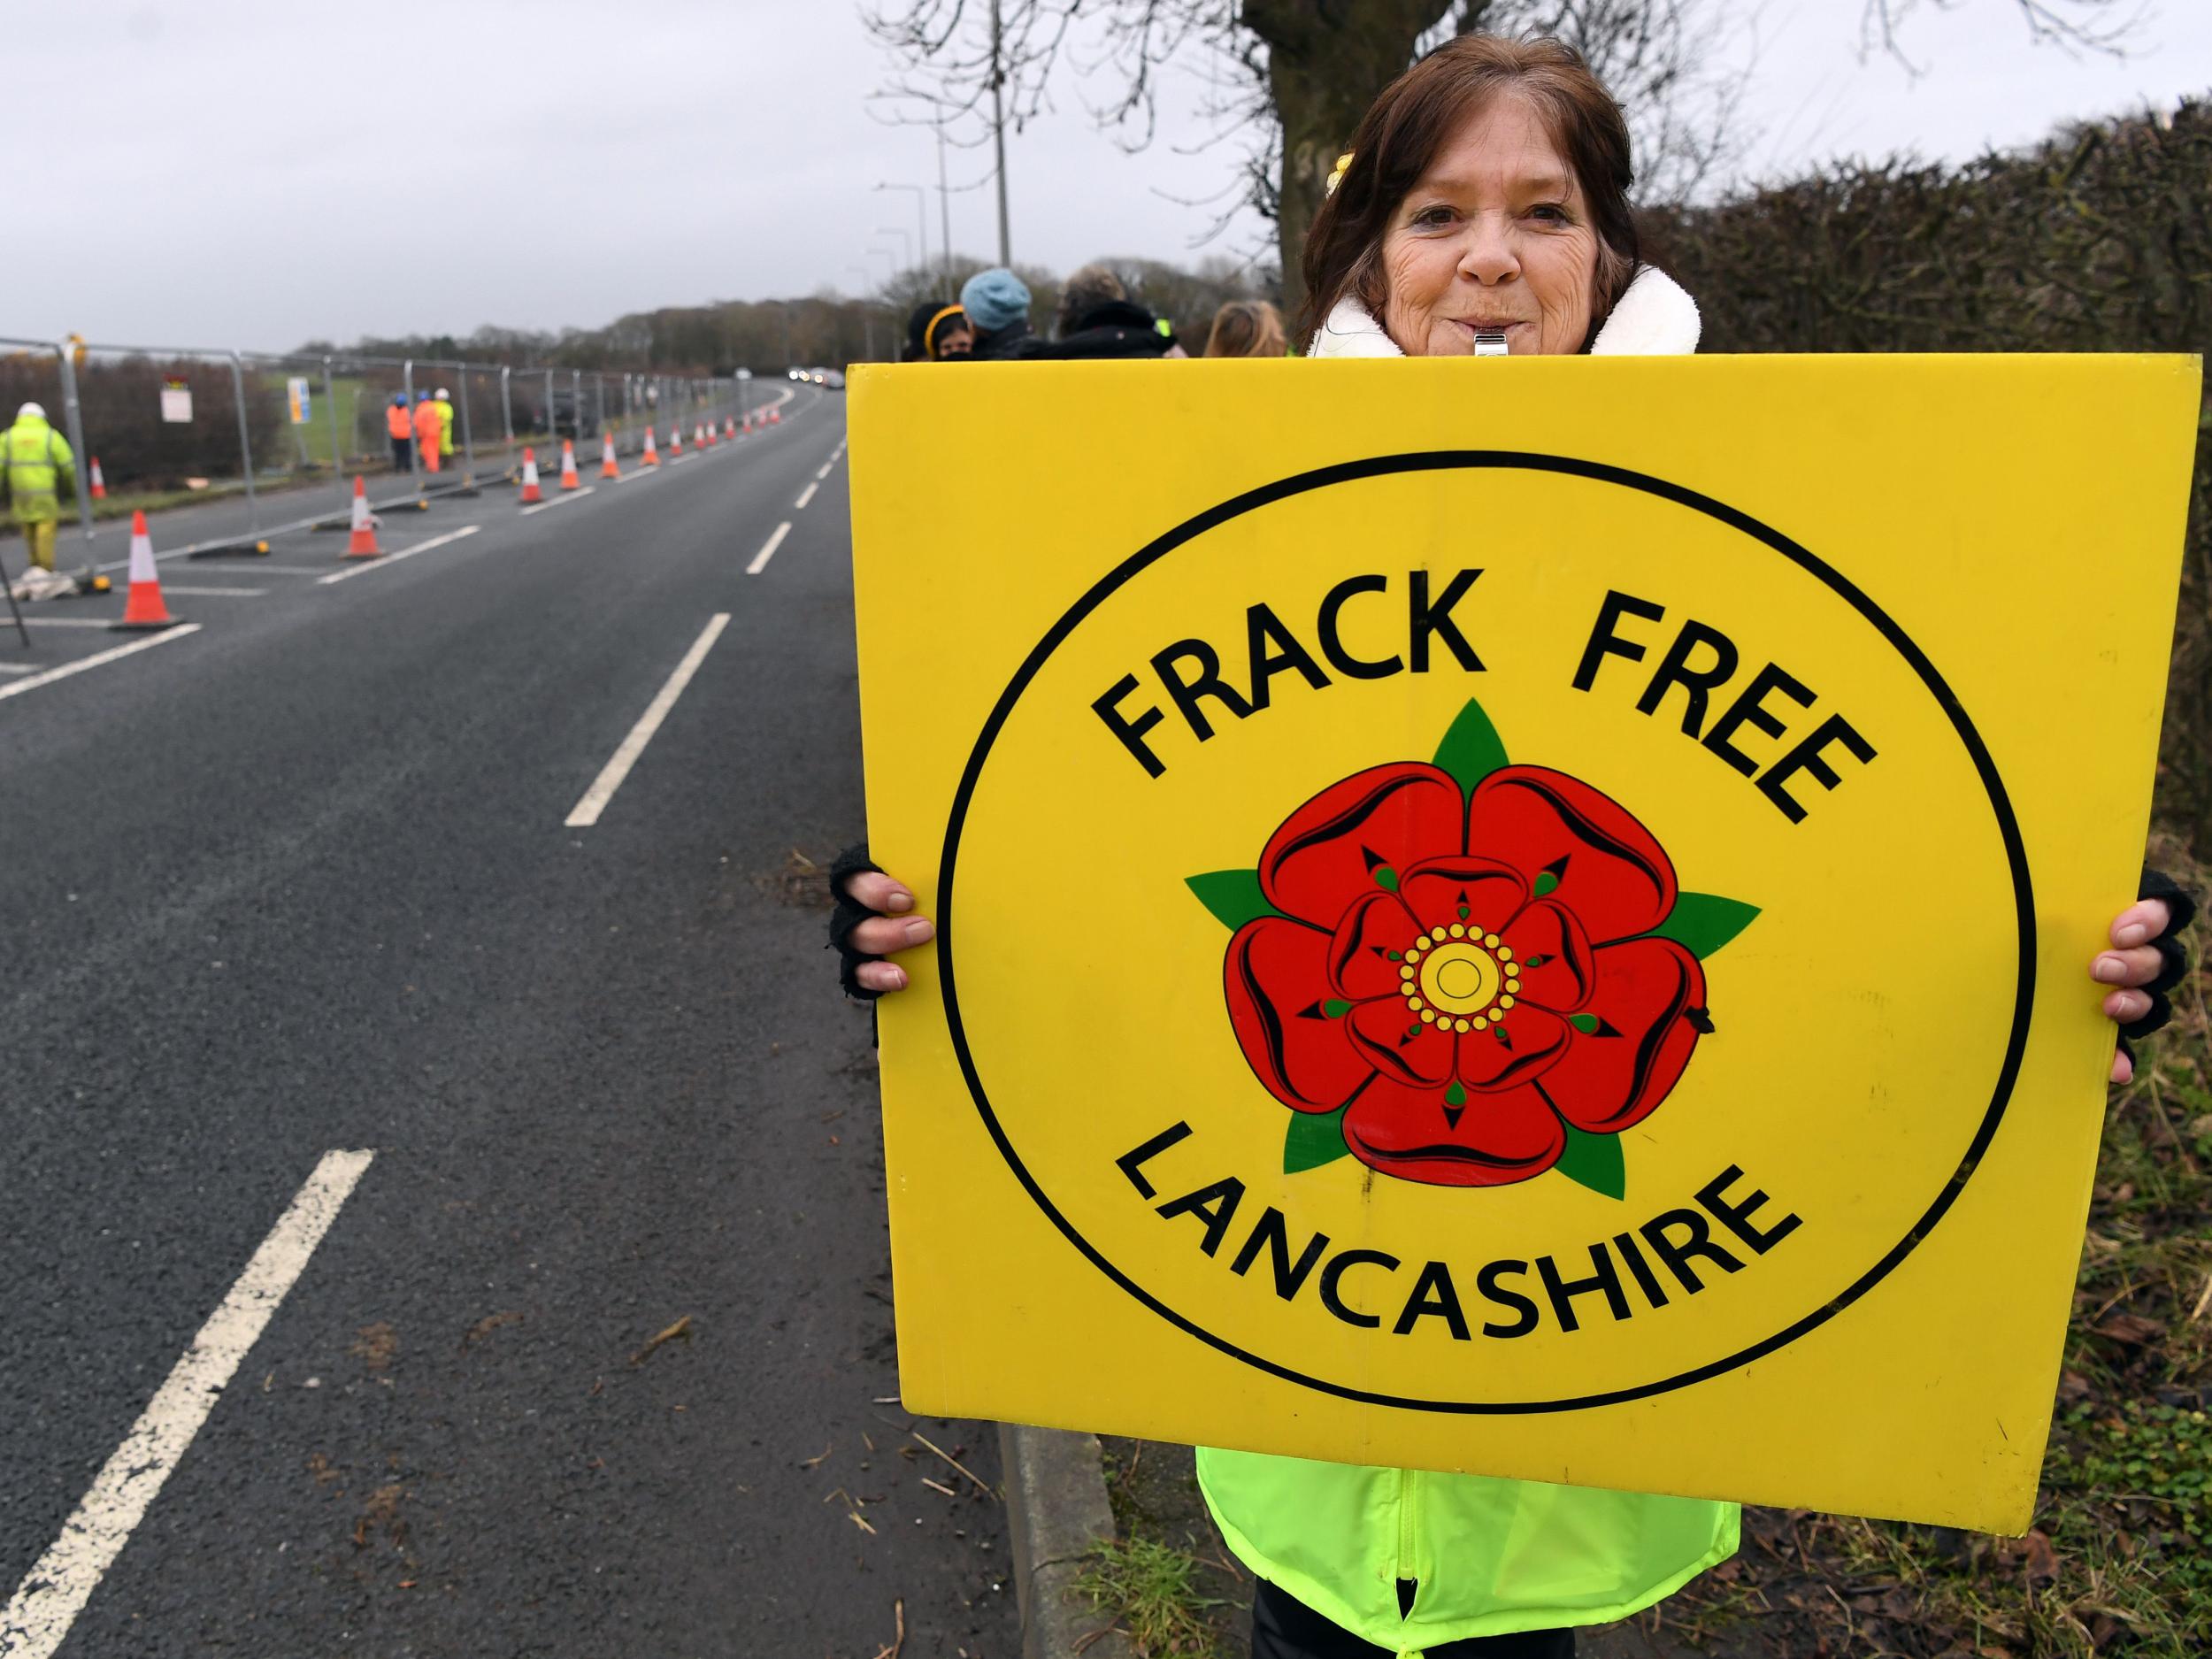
point(63, 670)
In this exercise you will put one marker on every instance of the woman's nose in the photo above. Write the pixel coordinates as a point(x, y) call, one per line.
point(1487, 255)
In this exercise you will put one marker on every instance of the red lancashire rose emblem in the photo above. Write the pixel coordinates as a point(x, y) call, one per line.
point(1470, 967)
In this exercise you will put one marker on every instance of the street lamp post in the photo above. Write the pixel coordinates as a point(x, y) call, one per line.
point(921, 214)
point(867, 316)
point(905, 242)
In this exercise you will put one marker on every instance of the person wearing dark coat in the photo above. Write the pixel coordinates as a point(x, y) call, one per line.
point(997, 304)
point(1111, 328)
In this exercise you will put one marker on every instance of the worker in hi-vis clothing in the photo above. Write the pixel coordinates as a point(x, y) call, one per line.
point(427, 426)
point(445, 426)
point(401, 425)
point(35, 465)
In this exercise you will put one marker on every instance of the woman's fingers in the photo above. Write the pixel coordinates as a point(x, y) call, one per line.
point(2141, 922)
point(880, 893)
point(883, 935)
point(2139, 966)
point(2127, 1007)
point(2123, 1068)
point(881, 976)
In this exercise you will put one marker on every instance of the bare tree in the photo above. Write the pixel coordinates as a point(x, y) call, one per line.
point(1287, 82)
point(2096, 26)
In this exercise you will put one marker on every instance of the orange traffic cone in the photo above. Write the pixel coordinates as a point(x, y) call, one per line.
point(748, 421)
point(729, 426)
point(607, 467)
point(675, 440)
point(569, 480)
point(775, 416)
point(709, 438)
point(99, 484)
point(530, 491)
point(362, 544)
point(142, 607)
point(652, 456)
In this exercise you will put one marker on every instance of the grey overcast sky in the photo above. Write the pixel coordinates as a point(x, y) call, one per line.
point(259, 172)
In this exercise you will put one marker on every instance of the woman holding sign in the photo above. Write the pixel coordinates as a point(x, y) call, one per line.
point(1482, 210)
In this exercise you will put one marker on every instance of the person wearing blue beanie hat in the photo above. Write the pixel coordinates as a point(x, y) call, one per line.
point(997, 304)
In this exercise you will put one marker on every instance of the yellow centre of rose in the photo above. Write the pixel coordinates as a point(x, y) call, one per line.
point(1460, 978)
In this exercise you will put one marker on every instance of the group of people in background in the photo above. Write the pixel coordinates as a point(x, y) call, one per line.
point(429, 425)
point(1096, 320)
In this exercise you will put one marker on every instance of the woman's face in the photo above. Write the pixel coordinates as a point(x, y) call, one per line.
point(955, 341)
point(1496, 239)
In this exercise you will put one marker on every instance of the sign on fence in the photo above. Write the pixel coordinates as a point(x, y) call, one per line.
point(1528, 917)
point(296, 399)
point(176, 400)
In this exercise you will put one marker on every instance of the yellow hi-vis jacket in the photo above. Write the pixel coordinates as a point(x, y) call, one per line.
point(35, 465)
point(445, 425)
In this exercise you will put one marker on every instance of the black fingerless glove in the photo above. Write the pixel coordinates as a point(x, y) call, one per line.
point(2173, 958)
point(849, 913)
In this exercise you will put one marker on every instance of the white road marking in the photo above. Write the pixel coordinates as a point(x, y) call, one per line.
point(218, 593)
point(78, 667)
point(609, 779)
point(54, 1591)
point(826, 467)
point(367, 566)
point(678, 460)
point(805, 495)
point(768, 549)
point(67, 622)
point(289, 569)
point(561, 500)
point(18, 668)
point(632, 478)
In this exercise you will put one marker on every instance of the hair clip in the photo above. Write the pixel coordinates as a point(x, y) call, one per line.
point(1336, 176)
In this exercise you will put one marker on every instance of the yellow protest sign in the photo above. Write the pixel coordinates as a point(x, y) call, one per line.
point(1527, 917)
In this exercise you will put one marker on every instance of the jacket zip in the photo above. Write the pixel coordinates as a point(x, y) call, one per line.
point(1406, 1490)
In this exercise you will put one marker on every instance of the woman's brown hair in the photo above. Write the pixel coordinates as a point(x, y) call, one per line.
point(1404, 129)
point(1246, 329)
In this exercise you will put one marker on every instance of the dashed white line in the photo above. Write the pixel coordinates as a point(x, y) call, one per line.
point(18, 668)
point(54, 1591)
point(78, 667)
point(67, 622)
point(805, 495)
point(826, 468)
point(587, 810)
point(768, 549)
point(560, 501)
point(678, 460)
point(367, 566)
point(632, 478)
point(217, 593)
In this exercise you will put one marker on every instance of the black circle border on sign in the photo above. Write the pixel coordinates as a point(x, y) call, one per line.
point(1454, 460)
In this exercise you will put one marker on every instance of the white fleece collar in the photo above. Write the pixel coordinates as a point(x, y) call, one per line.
point(1655, 317)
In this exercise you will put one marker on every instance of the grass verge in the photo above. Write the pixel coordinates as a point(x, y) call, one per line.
point(1152, 1590)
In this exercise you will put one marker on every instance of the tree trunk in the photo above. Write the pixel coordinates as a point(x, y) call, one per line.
point(1327, 60)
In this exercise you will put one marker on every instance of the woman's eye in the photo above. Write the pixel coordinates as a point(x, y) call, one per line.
point(1549, 213)
point(1433, 216)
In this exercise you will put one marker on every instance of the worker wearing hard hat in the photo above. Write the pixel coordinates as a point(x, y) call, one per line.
point(35, 466)
point(401, 425)
point(445, 425)
point(427, 426)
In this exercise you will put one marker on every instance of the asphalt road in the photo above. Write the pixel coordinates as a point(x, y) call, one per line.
point(302, 883)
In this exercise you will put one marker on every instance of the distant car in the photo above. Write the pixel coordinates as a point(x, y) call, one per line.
point(834, 378)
